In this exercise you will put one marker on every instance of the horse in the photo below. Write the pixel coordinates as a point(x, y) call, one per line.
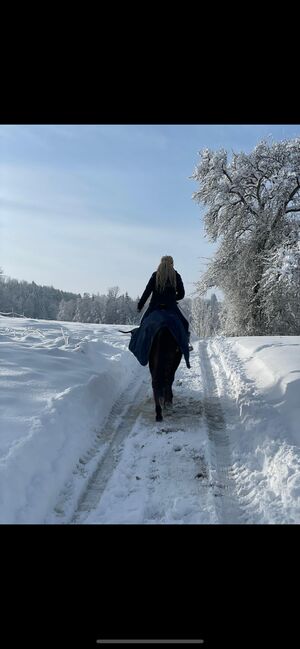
point(164, 358)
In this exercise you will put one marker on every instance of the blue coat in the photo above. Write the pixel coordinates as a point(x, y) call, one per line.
point(142, 337)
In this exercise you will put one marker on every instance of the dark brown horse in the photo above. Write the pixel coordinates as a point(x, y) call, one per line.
point(164, 359)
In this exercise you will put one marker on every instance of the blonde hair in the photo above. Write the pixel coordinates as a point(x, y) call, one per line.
point(165, 273)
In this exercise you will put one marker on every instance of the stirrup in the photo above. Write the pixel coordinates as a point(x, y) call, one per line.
point(191, 348)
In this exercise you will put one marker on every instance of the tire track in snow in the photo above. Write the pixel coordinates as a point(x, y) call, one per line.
point(118, 426)
point(227, 504)
point(83, 492)
point(167, 477)
point(172, 481)
point(159, 470)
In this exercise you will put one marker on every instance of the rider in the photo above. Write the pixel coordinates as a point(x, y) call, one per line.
point(166, 287)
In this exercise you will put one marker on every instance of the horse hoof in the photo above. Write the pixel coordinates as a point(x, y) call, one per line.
point(159, 418)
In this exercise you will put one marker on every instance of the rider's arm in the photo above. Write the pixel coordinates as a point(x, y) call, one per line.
point(179, 287)
point(148, 290)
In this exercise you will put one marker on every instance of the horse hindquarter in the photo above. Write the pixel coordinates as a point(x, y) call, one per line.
point(164, 359)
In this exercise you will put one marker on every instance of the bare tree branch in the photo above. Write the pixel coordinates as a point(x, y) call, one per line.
point(295, 190)
point(293, 209)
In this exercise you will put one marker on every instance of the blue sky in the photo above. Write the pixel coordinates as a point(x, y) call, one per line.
point(87, 207)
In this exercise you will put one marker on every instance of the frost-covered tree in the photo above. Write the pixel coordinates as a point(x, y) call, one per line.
point(83, 309)
point(95, 310)
point(252, 208)
point(198, 315)
point(205, 320)
point(111, 312)
point(214, 315)
point(281, 287)
point(101, 306)
point(185, 306)
point(66, 311)
point(126, 310)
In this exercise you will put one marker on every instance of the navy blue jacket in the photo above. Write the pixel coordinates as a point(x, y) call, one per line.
point(167, 297)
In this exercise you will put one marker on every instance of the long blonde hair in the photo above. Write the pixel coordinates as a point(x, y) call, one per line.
point(165, 273)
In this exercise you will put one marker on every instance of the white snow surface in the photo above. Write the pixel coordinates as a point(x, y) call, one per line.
point(79, 443)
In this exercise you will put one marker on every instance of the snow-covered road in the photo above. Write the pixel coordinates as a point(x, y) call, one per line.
point(80, 443)
point(150, 472)
point(185, 469)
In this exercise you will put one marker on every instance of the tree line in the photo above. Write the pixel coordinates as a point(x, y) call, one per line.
point(30, 300)
point(48, 303)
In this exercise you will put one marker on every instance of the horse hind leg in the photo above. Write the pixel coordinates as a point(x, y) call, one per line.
point(159, 416)
point(168, 396)
point(158, 400)
point(158, 408)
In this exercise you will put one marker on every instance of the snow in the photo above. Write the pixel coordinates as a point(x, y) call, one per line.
point(79, 442)
point(262, 377)
point(58, 383)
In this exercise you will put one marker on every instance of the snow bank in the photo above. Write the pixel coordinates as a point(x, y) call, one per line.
point(263, 377)
point(273, 365)
point(58, 382)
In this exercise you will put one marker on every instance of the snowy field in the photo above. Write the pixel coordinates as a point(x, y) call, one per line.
point(79, 442)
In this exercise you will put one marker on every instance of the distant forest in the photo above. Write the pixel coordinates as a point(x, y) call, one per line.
point(20, 298)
